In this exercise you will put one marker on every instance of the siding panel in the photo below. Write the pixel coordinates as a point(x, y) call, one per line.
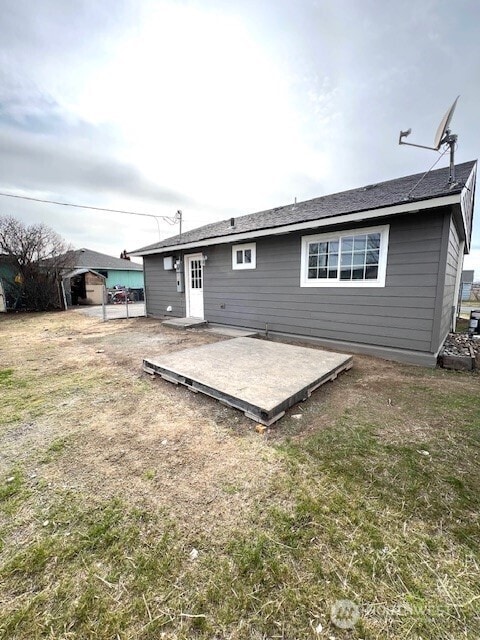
point(449, 302)
point(161, 289)
point(400, 315)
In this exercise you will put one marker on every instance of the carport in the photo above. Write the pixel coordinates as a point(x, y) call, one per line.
point(83, 286)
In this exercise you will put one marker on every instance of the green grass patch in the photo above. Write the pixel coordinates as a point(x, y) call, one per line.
point(89, 569)
point(9, 381)
point(12, 491)
point(36, 395)
point(348, 517)
point(462, 325)
point(55, 449)
point(6, 377)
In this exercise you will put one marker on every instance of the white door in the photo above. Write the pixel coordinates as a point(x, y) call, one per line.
point(194, 285)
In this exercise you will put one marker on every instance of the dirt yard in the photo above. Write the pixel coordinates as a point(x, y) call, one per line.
point(131, 435)
point(369, 491)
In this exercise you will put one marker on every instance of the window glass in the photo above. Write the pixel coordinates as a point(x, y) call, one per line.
point(323, 259)
point(373, 241)
point(244, 256)
point(358, 259)
point(344, 258)
point(357, 274)
point(333, 260)
point(359, 243)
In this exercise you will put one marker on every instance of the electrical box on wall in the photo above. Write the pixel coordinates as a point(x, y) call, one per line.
point(180, 279)
point(168, 263)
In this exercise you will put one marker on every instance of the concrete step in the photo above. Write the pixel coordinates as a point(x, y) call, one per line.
point(231, 332)
point(184, 323)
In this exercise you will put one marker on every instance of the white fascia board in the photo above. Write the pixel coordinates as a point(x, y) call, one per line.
point(113, 268)
point(467, 200)
point(311, 224)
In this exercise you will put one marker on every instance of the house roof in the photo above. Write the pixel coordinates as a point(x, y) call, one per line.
point(88, 259)
point(78, 272)
point(409, 189)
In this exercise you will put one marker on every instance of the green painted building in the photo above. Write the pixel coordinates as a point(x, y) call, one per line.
point(117, 271)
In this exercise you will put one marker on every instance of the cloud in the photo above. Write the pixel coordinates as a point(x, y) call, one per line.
point(240, 106)
point(68, 164)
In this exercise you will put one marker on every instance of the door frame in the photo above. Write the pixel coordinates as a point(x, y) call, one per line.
point(187, 258)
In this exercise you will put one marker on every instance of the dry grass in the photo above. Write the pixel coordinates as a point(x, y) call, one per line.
point(109, 479)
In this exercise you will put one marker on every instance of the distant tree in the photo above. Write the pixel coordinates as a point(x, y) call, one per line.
point(37, 255)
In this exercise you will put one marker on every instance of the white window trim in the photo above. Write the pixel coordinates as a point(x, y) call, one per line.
point(242, 247)
point(323, 237)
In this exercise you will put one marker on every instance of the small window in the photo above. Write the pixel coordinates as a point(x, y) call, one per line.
point(244, 256)
point(355, 259)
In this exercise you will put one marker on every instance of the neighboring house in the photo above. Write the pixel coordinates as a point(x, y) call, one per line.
point(466, 286)
point(373, 270)
point(7, 270)
point(8, 273)
point(117, 271)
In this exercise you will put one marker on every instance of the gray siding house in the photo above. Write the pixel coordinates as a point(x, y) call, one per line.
point(373, 270)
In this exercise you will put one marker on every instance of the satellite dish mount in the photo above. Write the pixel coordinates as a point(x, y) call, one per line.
point(443, 137)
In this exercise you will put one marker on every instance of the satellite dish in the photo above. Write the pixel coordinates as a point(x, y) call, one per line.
point(443, 136)
point(443, 126)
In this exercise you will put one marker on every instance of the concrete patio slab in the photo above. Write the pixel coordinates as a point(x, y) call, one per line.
point(261, 378)
point(184, 323)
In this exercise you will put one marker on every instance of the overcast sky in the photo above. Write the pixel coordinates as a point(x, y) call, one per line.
point(222, 108)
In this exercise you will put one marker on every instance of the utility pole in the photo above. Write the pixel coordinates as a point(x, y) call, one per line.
point(179, 218)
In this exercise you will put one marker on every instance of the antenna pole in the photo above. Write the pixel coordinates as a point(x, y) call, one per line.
point(451, 140)
point(179, 218)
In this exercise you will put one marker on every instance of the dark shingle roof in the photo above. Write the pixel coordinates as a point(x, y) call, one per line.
point(95, 260)
point(374, 196)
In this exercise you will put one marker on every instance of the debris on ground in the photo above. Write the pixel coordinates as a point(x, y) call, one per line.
point(193, 555)
point(461, 351)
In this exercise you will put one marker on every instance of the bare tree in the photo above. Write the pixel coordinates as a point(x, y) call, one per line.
point(37, 255)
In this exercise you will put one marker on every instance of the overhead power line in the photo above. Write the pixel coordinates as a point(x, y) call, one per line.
point(170, 220)
point(84, 206)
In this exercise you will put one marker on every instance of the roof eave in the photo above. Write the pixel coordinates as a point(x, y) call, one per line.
point(467, 205)
point(79, 266)
point(358, 216)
